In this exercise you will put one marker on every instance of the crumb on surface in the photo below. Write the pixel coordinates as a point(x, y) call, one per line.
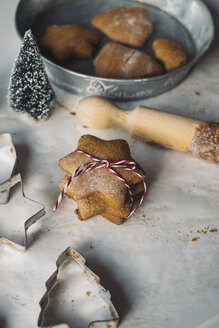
point(213, 230)
point(194, 239)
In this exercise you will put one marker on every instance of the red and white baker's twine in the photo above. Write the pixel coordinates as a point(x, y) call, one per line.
point(97, 163)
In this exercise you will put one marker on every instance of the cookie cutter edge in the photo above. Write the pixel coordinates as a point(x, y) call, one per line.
point(71, 253)
point(7, 185)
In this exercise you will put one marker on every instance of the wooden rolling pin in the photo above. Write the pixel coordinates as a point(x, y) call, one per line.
point(150, 125)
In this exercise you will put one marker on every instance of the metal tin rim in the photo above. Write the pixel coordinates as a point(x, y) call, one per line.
point(126, 82)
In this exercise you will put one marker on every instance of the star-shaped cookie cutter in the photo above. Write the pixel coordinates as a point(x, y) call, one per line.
point(29, 222)
point(8, 161)
point(71, 254)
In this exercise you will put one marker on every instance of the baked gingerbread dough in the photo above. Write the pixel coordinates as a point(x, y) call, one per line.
point(130, 25)
point(121, 62)
point(68, 41)
point(99, 191)
point(170, 53)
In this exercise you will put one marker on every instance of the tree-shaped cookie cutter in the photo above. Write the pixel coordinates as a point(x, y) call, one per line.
point(71, 254)
point(8, 163)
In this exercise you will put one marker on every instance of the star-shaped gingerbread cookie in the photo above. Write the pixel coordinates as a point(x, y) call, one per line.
point(99, 191)
point(68, 41)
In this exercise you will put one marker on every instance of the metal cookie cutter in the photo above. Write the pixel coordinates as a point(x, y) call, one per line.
point(8, 160)
point(103, 300)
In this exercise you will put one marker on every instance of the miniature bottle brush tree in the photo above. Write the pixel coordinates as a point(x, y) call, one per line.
point(29, 87)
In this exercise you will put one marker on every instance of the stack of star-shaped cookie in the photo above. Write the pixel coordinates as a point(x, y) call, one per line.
point(99, 191)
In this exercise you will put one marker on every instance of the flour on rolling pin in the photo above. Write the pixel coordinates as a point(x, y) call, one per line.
point(185, 134)
point(205, 143)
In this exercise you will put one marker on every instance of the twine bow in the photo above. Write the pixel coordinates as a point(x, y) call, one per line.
point(103, 163)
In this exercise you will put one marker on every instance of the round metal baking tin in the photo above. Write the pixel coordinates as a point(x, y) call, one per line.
point(187, 22)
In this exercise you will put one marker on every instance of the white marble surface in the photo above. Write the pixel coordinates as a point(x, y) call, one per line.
point(156, 275)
